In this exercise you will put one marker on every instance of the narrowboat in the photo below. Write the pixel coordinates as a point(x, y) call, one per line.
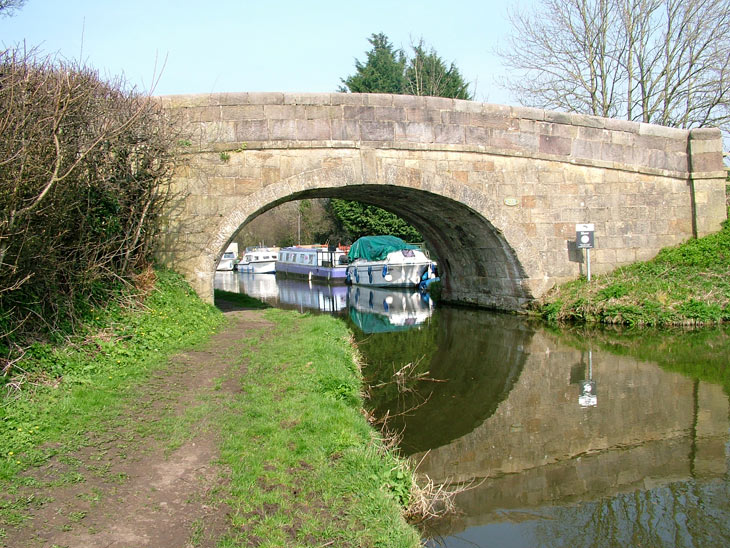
point(313, 262)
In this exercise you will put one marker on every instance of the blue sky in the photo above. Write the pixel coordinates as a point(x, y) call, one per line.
point(235, 46)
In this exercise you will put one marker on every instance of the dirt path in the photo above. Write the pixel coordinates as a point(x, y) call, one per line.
point(127, 488)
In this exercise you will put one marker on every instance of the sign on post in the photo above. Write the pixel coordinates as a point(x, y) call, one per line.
point(584, 240)
point(584, 236)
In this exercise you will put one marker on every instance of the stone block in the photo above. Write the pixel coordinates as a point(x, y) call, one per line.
point(702, 146)
point(353, 99)
point(558, 146)
point(423, 115)
point(586, 150)
point(283, 129)
point(456, 117)
point(218, 132)
point(710, 161)
point(313, 130)
point(663, 131)
point(513, 140)
point(242, 112)
point(415, 132)
point(394, 114)
point(478, 135)
point(527, 113)
point(265, 98)
point(345, 130)
point(316, 112)
point(358, 113)
point(558, 117)
point(379, 99)
point(593, 134)
point(251, 130)
point(204, 114)
point(283, 112)
point(625, 256)
point(377, 131)
point(438, 103)
point(409, 102)
point(585, 121)
point(448, 134)
point(556, 130)
point(613, 124)
point(323, 99)
point(603, 256)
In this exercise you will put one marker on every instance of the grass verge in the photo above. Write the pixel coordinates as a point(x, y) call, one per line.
point(303, 467)
point(57, 393)
point(306, 467)
point(684, 285)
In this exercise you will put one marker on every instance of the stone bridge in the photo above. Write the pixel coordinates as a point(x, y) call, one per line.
point(495, 190)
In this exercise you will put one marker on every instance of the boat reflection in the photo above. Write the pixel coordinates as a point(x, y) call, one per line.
point(372, 309)
point(379, 309)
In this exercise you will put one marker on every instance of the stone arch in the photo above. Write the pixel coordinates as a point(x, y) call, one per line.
point(481, 265)
point(510, 182)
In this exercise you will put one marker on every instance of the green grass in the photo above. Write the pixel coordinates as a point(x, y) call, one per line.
point(684, 285)
point(59, 392)
point(302, 465)
point(306, 467)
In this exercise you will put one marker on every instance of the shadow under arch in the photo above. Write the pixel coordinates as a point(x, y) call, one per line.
point(476, 259)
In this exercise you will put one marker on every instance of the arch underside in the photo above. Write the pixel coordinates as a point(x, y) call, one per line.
point(477, 264)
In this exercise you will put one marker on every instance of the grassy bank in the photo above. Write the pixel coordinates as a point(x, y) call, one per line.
point(56, 393)
point(306, 467)
point(299, 463)
point(684, 285)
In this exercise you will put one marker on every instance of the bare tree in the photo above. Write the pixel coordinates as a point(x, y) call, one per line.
point(658, 61)
point(7, 7)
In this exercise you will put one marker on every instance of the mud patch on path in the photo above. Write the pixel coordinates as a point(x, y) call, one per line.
point(139, 484)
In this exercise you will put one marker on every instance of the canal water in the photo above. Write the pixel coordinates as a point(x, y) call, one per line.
point(574, 437)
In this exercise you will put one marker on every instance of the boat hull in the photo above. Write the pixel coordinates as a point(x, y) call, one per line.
point(382, 274)
point(258, 267)
point(329, 273)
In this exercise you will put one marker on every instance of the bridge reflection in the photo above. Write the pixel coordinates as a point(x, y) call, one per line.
point(539, 452)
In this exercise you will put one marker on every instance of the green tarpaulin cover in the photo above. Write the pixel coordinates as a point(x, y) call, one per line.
point(376, 248)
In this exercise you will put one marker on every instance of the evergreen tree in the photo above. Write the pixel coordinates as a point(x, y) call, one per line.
point(426, 74)
point(381, 73)
point(359, 219)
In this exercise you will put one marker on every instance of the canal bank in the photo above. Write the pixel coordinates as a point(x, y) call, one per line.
point(246, 434)
point(684, 285)
point(499, 405)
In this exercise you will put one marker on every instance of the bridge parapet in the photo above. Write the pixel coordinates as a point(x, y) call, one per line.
point(276, 120)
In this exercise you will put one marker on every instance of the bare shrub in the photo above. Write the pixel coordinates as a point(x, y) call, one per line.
point(85, 167)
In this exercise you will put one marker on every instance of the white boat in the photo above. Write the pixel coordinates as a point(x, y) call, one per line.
point(228, 261)
point(259, 260)
point(387, 261)
point(319, 262)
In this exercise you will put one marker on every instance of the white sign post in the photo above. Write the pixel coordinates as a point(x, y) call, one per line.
point(584, 240)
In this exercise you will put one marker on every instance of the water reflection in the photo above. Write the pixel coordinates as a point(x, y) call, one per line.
point(501, 404)
point(378, 310)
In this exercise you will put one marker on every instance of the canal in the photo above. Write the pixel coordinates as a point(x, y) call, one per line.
point(552, 437)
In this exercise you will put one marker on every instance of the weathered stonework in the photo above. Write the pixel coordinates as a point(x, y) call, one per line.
point(496, 190)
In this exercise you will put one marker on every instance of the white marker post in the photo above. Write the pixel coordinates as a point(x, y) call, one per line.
point(584, 240)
